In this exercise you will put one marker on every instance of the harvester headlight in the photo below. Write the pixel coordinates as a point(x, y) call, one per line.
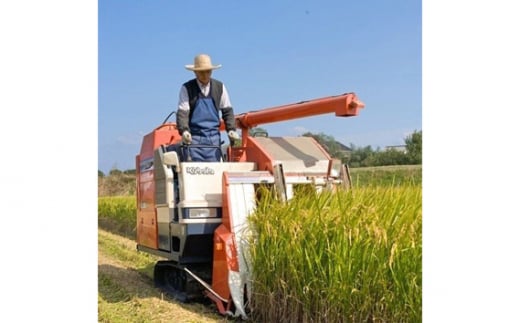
point(202, 213)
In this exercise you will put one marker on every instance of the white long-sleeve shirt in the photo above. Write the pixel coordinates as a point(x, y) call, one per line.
point(184, 103)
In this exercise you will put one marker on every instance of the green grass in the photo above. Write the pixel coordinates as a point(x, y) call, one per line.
point(126, 292)
point(386, 176)
point(126, 253)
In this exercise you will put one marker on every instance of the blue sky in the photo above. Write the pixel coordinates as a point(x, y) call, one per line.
point(272, 53)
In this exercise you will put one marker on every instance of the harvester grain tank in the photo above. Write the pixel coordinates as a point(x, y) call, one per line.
point(194, 214)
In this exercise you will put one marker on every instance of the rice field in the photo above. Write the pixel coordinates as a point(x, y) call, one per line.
point(352, 256)
point(387, 175)
point(118, 214)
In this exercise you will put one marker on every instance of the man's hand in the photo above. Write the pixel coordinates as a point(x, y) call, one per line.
point(233, 135)
point(186, 137)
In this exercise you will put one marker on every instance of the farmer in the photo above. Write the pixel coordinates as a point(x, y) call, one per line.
point(201, 101)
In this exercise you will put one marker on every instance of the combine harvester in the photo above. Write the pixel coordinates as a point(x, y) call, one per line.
point(194, 214)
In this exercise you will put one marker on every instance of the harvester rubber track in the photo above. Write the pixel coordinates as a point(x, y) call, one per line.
point(171, 278)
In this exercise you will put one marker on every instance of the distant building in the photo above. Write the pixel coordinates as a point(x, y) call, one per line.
point(397, 147)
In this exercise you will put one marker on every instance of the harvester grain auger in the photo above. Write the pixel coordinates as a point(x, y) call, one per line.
point(194, 214)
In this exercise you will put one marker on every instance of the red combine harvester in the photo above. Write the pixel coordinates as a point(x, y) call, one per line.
point(194, 214)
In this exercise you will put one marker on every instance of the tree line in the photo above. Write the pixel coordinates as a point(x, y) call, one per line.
point(353, 156)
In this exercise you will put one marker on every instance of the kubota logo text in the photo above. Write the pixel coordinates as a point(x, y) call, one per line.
point(200, 171)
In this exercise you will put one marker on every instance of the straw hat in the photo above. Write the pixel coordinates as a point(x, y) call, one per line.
point(202, 62)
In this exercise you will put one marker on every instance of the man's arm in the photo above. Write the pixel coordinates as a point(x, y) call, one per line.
point(227, 110)
point(183, 111)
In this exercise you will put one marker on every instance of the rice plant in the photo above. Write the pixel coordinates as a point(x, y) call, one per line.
point(351, 256)
point(118, 215)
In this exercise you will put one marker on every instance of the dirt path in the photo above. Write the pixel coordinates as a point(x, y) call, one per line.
point(126, 292)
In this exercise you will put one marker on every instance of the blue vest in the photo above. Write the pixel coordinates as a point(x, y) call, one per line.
point(204, 126)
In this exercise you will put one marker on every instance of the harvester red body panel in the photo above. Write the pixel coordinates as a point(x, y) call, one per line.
point(194, 214)
point(147, 217)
